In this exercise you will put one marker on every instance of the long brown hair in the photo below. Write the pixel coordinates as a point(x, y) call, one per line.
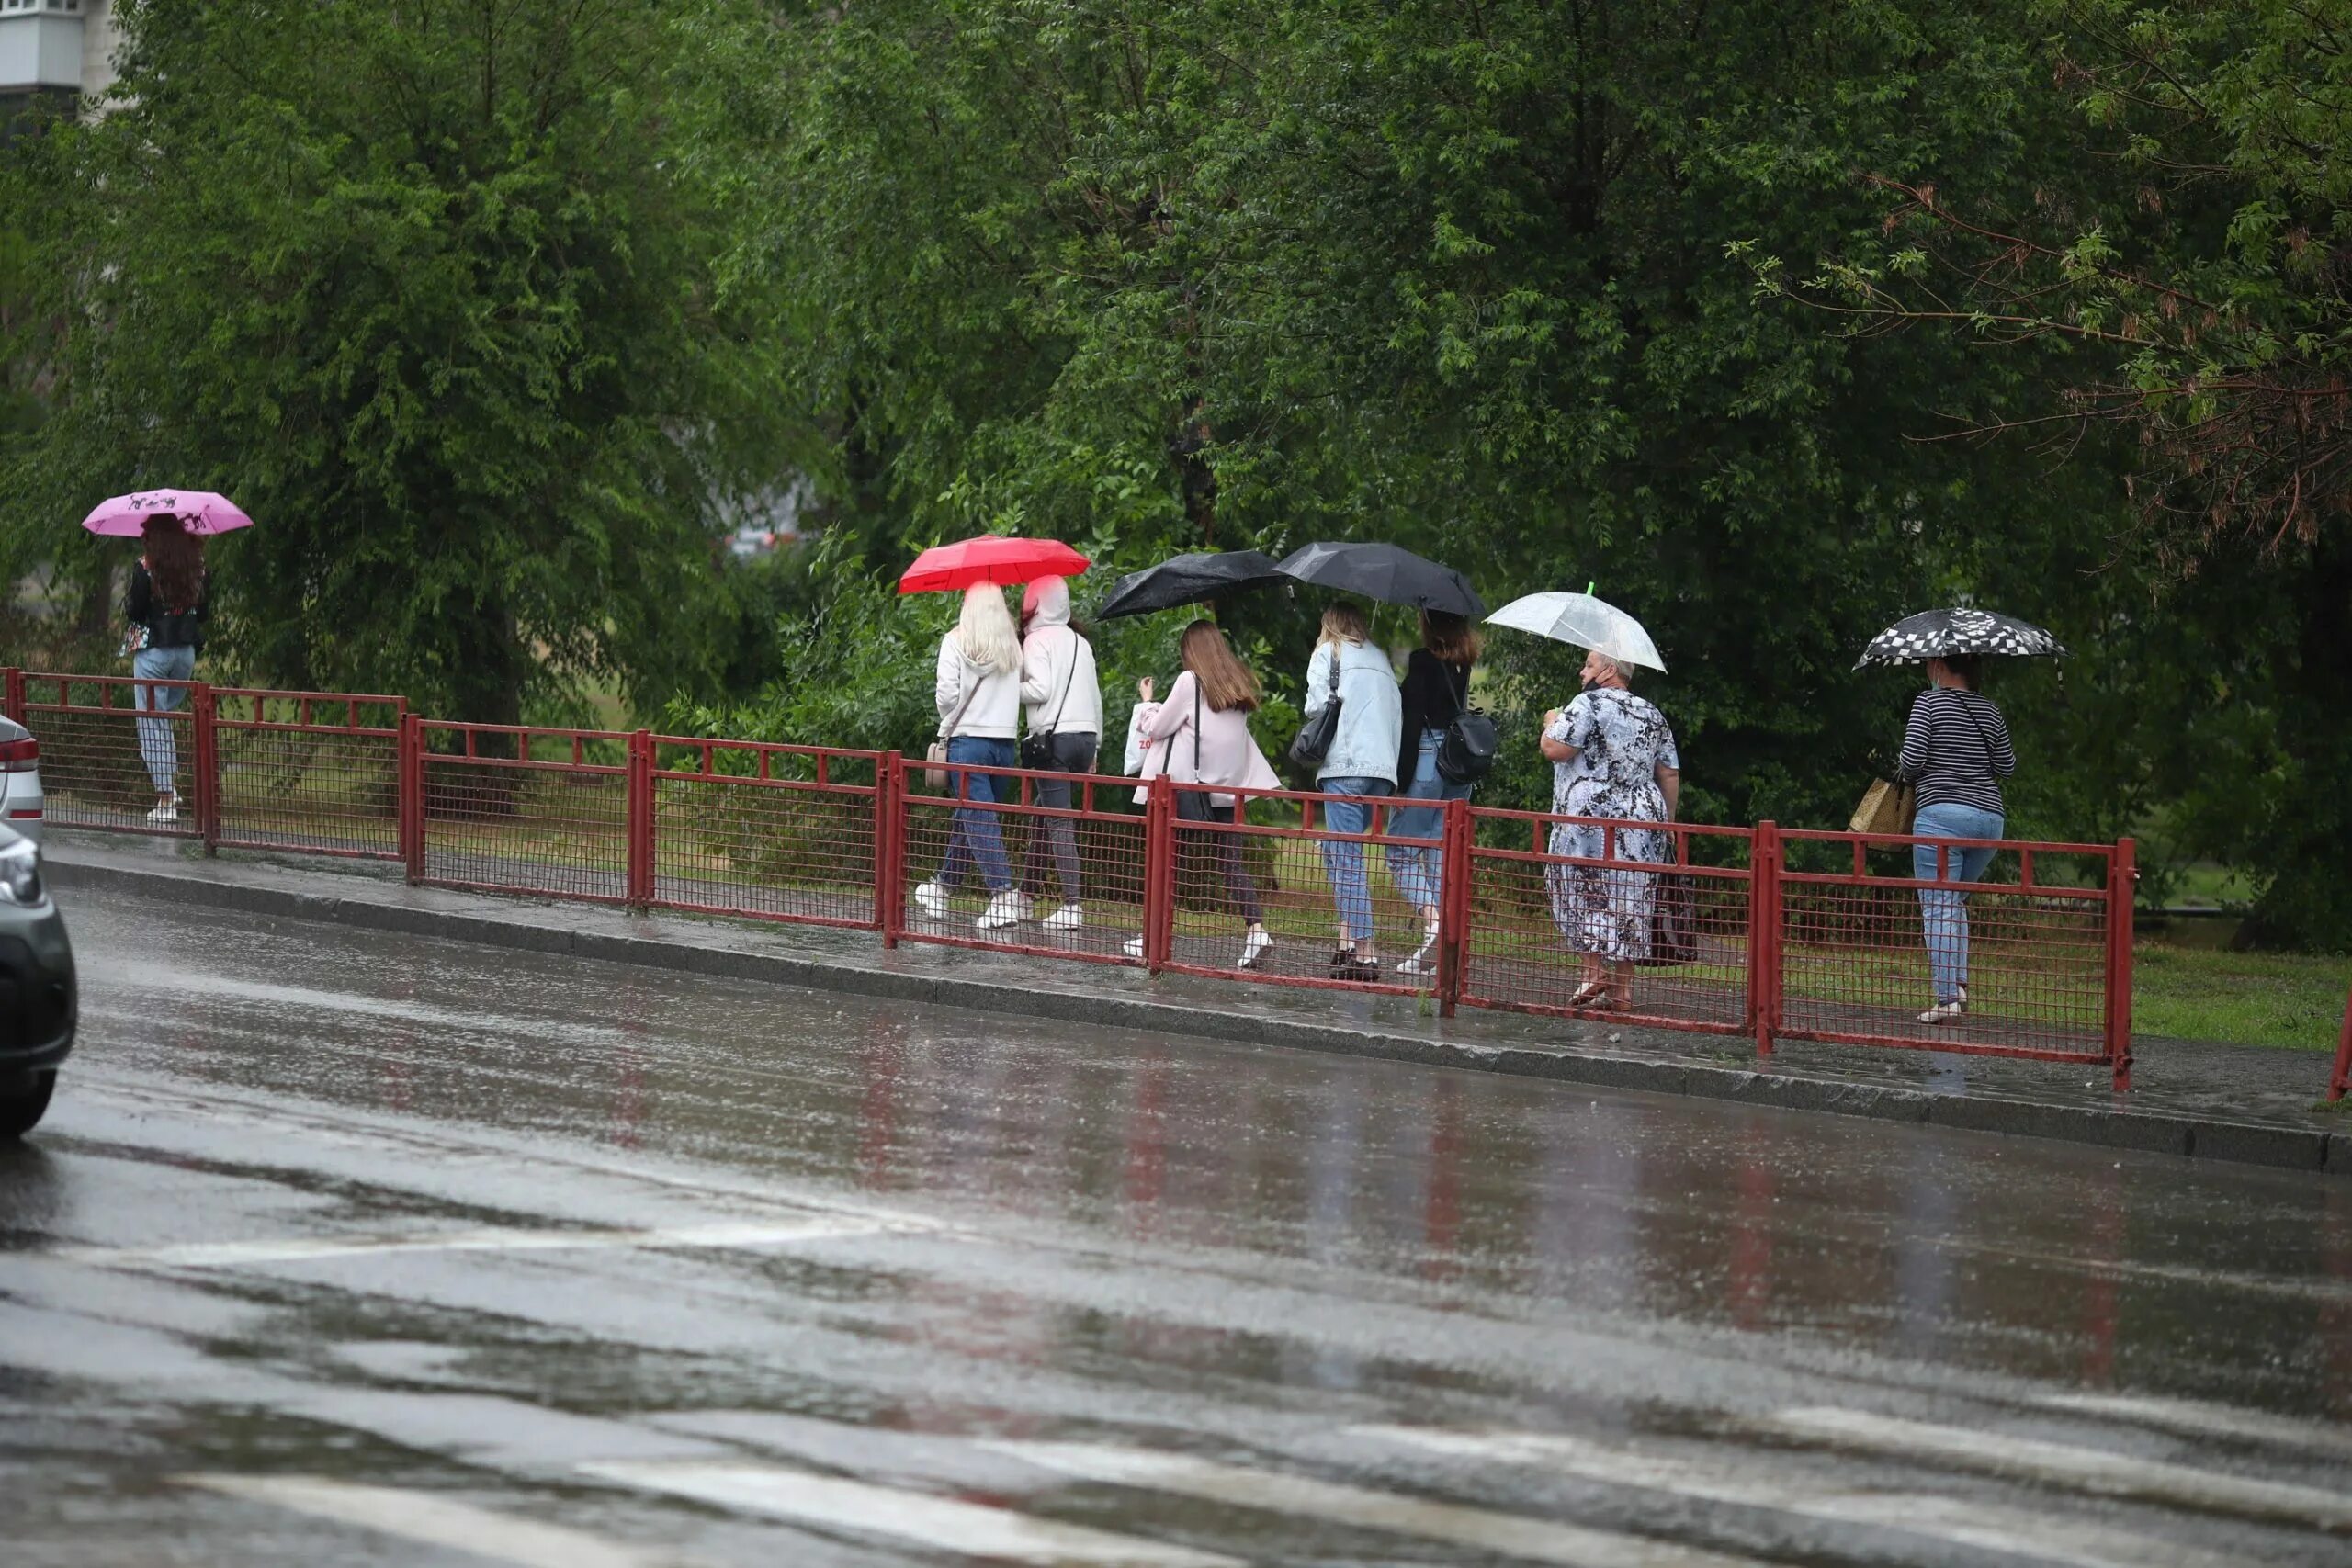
point(1225, 681)
point(174, 563)
point(1450, 637)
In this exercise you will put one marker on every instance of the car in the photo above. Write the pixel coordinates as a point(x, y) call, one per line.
point(39, 1003)
point(21, 806)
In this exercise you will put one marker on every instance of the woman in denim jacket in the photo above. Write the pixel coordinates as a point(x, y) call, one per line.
point(1361, 763)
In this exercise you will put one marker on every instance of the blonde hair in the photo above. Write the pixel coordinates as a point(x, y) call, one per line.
point(1343, 622)
point(985, 632)
point(1225, 681)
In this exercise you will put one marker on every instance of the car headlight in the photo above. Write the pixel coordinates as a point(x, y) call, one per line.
point(20, 874)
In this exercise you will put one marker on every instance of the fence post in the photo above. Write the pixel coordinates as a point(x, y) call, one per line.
point(410, 795)
point(12, 694)
point(1453, 907)
point(2122, 895)
point(1764, 917)
point(890, 846)
point(2340, 1081)
point(207, 771)
point(1158, 874)
point(639, 815)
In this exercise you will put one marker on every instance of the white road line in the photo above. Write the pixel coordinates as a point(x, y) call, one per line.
point(2048, 1538)
point(2195, 1418)
point(1511, 1535)
point(938, 1524)
point(300, 1249)
point(435, 1521)
point(2061, 1464)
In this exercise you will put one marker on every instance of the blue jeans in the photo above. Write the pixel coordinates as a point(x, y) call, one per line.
point(157, 747)
point(1943, 911)
point(1344, 859)
point(975, 840)
point(1419, 875)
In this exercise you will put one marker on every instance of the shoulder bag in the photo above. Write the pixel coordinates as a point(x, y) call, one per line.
point(1886, 809)
point(1674, 918)
point(1313, 741)
point(934, 776)
point(1037, 747)
point(1466, 753)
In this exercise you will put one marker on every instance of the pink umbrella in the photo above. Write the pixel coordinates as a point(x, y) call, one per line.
point(992, 557)
point(199, 511)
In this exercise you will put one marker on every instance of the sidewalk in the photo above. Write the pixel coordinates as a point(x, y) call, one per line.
point(2210, 1101)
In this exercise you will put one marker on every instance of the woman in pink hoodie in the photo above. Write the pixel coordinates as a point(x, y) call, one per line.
point(1201, 736)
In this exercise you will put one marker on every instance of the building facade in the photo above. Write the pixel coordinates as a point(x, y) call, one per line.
point(58, 50)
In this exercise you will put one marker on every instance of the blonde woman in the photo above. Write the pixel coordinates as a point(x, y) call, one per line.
point(978, 692)
point(1361, 763)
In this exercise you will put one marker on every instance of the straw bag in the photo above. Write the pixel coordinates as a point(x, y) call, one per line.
point(1885, 809)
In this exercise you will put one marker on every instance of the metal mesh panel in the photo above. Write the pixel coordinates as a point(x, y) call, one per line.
point(1535, 916)
point(1093, 847)
point(2031, 947)
point(776, 831)
point(526, 810)
point(309, 772)
point(101, 757)
point(1311, 886)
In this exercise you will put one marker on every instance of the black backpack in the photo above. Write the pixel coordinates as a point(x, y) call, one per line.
point(1466, 754)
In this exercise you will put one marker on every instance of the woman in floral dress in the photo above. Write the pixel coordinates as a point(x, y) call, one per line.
point(1612, 756)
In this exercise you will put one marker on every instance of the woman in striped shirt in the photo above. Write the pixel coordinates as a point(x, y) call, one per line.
point(1955, 753)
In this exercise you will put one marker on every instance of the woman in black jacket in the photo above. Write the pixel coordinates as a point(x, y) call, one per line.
point(1436, 684)
point(165, 607)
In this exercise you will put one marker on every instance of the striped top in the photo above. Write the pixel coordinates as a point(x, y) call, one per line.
point(1956, 750)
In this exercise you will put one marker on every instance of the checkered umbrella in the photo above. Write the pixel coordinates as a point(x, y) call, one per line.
point(1939, 634)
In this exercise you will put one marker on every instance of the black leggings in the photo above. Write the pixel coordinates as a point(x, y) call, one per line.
point(1193, 806)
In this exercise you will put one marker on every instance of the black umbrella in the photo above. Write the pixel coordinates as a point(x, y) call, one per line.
point(1385, 573)
point(1940, 634)
point(1187, 580)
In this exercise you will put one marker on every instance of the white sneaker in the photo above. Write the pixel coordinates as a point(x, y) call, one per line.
point(1004, 909)
point(1255, 946)
point(1132, 947)
point(933, 898)
point(1068, 918)
point(1944, 1012)
point(164, 816)
point(1422, 962)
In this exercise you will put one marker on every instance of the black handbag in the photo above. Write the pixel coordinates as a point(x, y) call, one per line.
point(1674, 922)
point(1037, 750)
point(1313, 741)
point(1466, 752)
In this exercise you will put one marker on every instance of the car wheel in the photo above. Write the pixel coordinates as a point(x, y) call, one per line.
point(22, 1103)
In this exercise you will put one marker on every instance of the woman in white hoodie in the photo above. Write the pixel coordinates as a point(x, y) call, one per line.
point(1065, 710)
point(978, 692)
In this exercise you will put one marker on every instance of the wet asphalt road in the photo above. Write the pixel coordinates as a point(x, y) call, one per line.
point(341, 1248)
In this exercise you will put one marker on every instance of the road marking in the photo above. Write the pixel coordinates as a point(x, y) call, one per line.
point(1960, 1521)
point(2061, 1464)
point(939, 1523)
point(2195, 1418)
point(300, 1249)
point(1511, 1534)
point(435, 1521)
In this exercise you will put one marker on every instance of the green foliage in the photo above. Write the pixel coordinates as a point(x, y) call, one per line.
point(426, 289)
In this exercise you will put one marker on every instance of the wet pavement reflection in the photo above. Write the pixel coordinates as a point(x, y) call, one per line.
point(497, 1228)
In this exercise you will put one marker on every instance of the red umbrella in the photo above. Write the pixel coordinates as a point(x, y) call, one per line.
point(993, 559)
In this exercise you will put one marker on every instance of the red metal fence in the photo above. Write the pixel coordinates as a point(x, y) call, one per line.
point(1759, 932)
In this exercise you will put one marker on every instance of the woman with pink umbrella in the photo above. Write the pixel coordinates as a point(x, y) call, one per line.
point(167, 607)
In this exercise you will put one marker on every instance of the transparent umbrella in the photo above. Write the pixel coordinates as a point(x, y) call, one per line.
point(1584, 621)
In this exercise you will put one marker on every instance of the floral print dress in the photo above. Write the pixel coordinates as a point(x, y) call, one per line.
point(1620, 742)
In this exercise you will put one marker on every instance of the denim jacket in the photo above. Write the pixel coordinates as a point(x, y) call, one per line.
point(1372, 713)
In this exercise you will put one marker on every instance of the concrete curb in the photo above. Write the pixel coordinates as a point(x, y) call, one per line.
point(2238, 1142)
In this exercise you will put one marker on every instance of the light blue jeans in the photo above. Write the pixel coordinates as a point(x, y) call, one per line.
point(1943, 911)
point(1419, 875)
point(976, 840)
point(1343, 859)
point(157, 747)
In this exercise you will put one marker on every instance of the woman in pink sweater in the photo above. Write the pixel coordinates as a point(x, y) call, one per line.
point(1201, 736)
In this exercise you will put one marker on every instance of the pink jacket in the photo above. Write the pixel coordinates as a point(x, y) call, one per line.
point(1229, 755)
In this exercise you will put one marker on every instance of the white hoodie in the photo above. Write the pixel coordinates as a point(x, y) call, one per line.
point(974, 700)
point(1053, 656)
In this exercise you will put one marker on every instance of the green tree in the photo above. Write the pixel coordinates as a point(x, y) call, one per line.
point(428, 290)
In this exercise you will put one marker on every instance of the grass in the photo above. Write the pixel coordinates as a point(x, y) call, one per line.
point(2290, 1000)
